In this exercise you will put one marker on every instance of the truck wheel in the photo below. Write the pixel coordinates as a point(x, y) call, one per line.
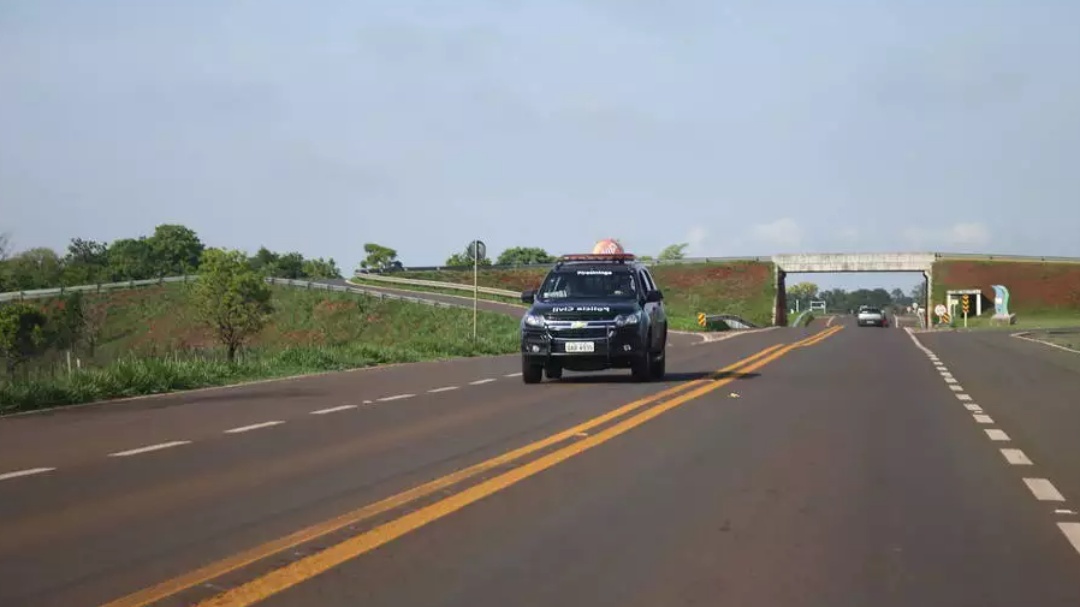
point(641, 368)
point(531, 373)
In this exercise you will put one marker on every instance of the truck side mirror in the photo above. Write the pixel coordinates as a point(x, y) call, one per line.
point(528, 296)
point(654, 296)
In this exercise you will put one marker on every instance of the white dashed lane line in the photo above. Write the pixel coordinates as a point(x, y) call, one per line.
point(387, 399)
point(1041, 488)
point(150, 448)
point(1016, 457)
point(1072, 532)
point(443, 389)
point(482, 381)
point(253, 427)
point(333, 409)
point(518, 374)
point(1044, 490)
point(21, 473)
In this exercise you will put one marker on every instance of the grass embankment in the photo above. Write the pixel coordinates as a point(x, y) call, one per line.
point(1040, 319)
point(1041, 294)
point(152, 342)
point(360, 281)
point(745, 289)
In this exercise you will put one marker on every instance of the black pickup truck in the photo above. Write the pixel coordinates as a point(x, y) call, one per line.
point(591, 313)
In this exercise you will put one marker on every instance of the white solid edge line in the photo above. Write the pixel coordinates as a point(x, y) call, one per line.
point(20, 473)
point(443, 389)
point(332, 410)
point(149, 448)
point(1072, 533)
point(482, 381)
point(963, 397)
point(394, 397)
point(1044, 490)
point(1016, 457)
point(1045, 343)
point(253, 427)
point(983, 419)
point(998, 435)
point(972, 407)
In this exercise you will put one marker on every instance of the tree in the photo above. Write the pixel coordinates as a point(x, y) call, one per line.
point(86, 262)
point(464, 259)
point(290, 265)
point(519, 256)
point(22, 333)
point(5, 245)
point(231, 298)
point(38, 268)
point(378, 257)
point(319, 268)
point(65, 322)
point(130, 259)
point(175, 250)
point(673, 252)
point(94, 316)
point(802, 291)
point(919, 293)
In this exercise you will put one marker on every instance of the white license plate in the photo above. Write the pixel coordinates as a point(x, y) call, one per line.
point(580, 346)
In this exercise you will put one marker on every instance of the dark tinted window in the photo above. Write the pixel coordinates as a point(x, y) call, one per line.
point(589, 283)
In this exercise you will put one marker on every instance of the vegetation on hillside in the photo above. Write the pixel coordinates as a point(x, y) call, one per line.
point(157, 340)
point(1040, 288)
point(172, 250)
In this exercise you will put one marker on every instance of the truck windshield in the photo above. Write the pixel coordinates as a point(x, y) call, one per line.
point(589, 284)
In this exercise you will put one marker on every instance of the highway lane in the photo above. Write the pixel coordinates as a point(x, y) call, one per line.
point(843, 472)
point(1031, 392)
point(846, 474)
point(98, 527)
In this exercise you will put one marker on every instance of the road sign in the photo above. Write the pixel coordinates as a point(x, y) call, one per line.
point(945, 318)
point(941, 310)
point(965, 303)
point(477, 250)
point(701, 318)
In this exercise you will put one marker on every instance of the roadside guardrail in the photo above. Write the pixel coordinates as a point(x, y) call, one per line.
point(315, 285)
point(435, 284)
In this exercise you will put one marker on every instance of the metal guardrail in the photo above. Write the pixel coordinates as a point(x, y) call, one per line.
point(285, 282)
point(436, 284)
point(545, 266)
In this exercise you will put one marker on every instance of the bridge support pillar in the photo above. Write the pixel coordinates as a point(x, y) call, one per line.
point(780, 318)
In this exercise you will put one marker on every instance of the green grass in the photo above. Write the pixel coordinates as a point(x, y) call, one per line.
point(745, 289)
point(152, 343)
point(1025, 320)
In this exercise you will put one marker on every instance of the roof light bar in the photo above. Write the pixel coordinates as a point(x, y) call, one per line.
point(598, 257)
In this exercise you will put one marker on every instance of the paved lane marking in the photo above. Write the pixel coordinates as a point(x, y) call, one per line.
point(296, 572)
point(20, 473)
point(1044, 490)
point(1016, 457)
point(443, 389)
point(149, 448)
point(1072, 533)
point(333, 409)
point(253, 427)
point(1064, 511)
point(482, 381)
point(956, 387)
point(170, 587)
point(518, 374)
point(997, 435)
point(972, 407)
point(963, 397)
point(983, 419)
point(949, 379)
point(387, 399)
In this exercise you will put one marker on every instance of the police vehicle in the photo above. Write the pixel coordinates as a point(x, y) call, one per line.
point(594, 312)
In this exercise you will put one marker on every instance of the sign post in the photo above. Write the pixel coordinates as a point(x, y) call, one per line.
point(965, 306)
point(477, 249)
point(942, 313)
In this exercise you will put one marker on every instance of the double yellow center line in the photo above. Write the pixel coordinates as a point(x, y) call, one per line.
point(294, 573)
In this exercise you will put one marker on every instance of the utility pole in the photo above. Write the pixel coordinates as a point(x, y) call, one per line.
point(477, 249)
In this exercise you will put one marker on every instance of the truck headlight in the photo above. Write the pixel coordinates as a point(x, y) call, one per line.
point(623, 320)
point(534, 320)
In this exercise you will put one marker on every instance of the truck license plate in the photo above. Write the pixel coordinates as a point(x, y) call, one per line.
point(580, 346)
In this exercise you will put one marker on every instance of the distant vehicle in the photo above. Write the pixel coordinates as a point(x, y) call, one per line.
point(871, 317)
point(591, 313)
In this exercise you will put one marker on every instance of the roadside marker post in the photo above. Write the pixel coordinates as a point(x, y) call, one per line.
point(965, 305)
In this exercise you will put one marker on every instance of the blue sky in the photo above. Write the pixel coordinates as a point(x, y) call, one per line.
point(741, 127)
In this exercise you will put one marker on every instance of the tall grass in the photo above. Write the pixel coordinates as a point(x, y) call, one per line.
point(310, 332)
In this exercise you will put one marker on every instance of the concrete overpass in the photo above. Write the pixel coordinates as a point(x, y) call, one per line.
point(849, 262)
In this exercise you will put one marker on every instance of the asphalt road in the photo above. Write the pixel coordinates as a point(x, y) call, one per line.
point(845, 471)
